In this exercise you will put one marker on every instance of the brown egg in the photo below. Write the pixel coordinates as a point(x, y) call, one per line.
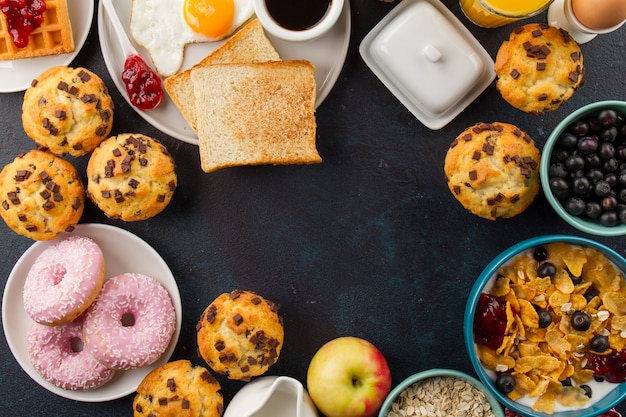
point(599, 14)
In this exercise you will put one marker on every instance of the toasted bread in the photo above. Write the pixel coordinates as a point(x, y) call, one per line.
point(248, 45)
point(255, 114)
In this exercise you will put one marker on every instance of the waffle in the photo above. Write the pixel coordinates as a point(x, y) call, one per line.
point(53, 37)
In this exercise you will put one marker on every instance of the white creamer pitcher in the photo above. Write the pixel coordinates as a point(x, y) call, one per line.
point(272, 396)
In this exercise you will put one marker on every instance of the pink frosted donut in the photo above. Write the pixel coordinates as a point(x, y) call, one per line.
point(131, 322)
point(64, 280)
point(58, 354)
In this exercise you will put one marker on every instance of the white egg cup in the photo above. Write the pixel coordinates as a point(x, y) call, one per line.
point(320, 28)
point(561, 16)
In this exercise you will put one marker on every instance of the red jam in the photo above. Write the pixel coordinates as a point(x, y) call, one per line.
point(490, 321)
point(143, 85)
point(611, 367)
point(23, 16)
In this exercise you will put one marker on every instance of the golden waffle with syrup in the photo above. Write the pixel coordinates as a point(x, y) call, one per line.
point(52, 37)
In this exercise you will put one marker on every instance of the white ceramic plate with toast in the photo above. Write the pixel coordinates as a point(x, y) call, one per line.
point(16, 75)
point(123, 252)
point(327, 53)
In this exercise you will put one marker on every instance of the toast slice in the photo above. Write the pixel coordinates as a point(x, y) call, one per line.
point(249, 44)
point(255, 114)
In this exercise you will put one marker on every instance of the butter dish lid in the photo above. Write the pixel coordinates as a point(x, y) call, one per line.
point(427, 58)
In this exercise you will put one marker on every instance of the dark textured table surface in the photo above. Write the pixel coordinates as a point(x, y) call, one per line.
point(369, 243)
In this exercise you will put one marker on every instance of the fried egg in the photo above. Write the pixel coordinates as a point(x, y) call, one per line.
point(165, 27)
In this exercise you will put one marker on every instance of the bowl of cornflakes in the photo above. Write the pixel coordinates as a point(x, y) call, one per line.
point(445, 391)
point(545, 327)
point(583, 168)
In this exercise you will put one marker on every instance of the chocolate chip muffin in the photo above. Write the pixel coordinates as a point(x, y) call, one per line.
point(67, 111)
point(240, 335)
point(41, 195)
point(131, 177)
point(538, 68)
point(492, 169)
point(178, 389)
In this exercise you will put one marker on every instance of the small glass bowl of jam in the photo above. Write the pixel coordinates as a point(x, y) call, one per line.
point(547, 296)
point(298, 20)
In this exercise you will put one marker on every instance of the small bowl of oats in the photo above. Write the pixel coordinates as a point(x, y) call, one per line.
point(444, 392)
point(545, 327)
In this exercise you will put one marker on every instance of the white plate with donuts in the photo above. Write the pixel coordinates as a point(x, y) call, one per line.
point(117, 246)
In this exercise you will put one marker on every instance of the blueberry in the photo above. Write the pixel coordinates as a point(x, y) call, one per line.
point(593, 209)
point(575, 280)
point(588, 144)
point(608, 134)
point(559, 187)
point(574, 206)
point(567, 140)
point(599, 343)
point(592, 160)
point(505, 383)
point(546, 269)
point(540, 254)
point(581, 185)
point(567, 382)
point(609, 203)
point(587, 390)
point(559, 155)
point(609, 218)
point(580, 128)
point(558, 169)
point(580, 321)
point(575, 163)
point(594, 174)
point(602, 188)
point(606, 150)
point(545, 319)
point(620, 153)
point(610, 165)
point(621, 215)
point(607, 117)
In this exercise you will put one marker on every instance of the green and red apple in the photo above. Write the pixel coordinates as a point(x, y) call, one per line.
point(348, 377)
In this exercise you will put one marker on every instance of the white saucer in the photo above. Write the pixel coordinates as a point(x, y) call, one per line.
point(16, 75)
point(327, 53)
point(123, 252)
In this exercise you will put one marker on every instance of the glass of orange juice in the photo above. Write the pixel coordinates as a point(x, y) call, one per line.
point(496, 13)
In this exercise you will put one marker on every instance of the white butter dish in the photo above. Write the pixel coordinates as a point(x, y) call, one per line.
point(425, 56)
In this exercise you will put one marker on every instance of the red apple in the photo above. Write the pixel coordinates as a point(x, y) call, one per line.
point(348, 377)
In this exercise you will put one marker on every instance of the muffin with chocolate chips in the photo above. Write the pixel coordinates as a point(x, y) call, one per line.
point(538, 68)
point(492, 169)
point(178, 389)
point(41, 195)
point(67, 111)
point(240, 335)
point(131, 177)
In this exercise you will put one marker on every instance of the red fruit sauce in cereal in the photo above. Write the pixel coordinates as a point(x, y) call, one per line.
point(142, 84)
point(490, 321)
point(23, 16)
point(612, 367)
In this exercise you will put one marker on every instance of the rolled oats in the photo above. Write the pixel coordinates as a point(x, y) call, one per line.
point(441, 396)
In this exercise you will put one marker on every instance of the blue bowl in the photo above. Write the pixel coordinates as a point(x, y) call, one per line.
point(581, 223)
point(393, 395)
point(610, 400)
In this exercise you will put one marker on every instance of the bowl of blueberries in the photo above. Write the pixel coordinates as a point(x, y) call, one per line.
point(583, 168)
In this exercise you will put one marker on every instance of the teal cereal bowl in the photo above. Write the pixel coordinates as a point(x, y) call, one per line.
point(607, 395)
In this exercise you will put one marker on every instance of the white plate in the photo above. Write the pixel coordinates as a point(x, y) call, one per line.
point(123, 252)
point(327, 53)
point(16, 75)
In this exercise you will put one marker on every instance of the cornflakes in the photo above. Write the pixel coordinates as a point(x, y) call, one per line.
point(548, 356)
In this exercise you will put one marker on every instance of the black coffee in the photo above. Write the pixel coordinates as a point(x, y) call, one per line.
point(297, 14)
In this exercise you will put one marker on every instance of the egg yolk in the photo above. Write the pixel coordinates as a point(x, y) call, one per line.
point(211, 18)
